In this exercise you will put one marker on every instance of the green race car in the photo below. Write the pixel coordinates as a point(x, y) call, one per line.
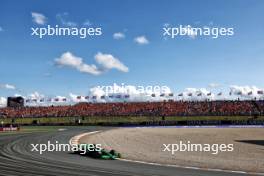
point(92, 151)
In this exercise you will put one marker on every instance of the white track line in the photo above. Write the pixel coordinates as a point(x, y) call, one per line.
point(190, 167)
point(75, 140)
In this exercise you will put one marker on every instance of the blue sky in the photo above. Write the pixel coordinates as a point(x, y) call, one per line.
point(28, 62)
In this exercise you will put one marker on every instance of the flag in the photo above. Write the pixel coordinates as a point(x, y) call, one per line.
point(180, 95)
point(260, 92)
point(199, 94)
point(162, 95)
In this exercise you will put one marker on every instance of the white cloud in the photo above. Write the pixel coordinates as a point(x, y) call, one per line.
point(97, 93)
point(63, 18)
point(36, 95)
point(3, 102)
point(85, 68)
point(39, 18)
point(166, 24)
point(8, 86)
point(118, 35)
point(19, 95)
point(211, 23)
point(141, 40)
point(190, 31)
point(197, 94)
point(68, 59)
point(246, 91)
point(87, 23)
point(74, 98)
point(213, 85)
point(1, 29)
point(109, 62)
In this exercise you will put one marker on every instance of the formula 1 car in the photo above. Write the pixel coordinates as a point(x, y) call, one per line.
point(84, 149)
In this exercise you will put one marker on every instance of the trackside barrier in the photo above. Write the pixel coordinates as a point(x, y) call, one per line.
point(9, 128)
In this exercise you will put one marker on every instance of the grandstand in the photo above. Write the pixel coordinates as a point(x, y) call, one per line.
point(165, 108)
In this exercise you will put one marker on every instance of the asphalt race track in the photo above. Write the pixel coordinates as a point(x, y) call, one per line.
point(16, 158)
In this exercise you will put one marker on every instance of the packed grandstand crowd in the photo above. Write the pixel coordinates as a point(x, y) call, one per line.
point(166, 108)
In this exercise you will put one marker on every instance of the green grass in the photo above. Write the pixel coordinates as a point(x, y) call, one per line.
point(39, 128)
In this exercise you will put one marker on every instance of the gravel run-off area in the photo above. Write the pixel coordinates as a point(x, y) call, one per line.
point(146, 144)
